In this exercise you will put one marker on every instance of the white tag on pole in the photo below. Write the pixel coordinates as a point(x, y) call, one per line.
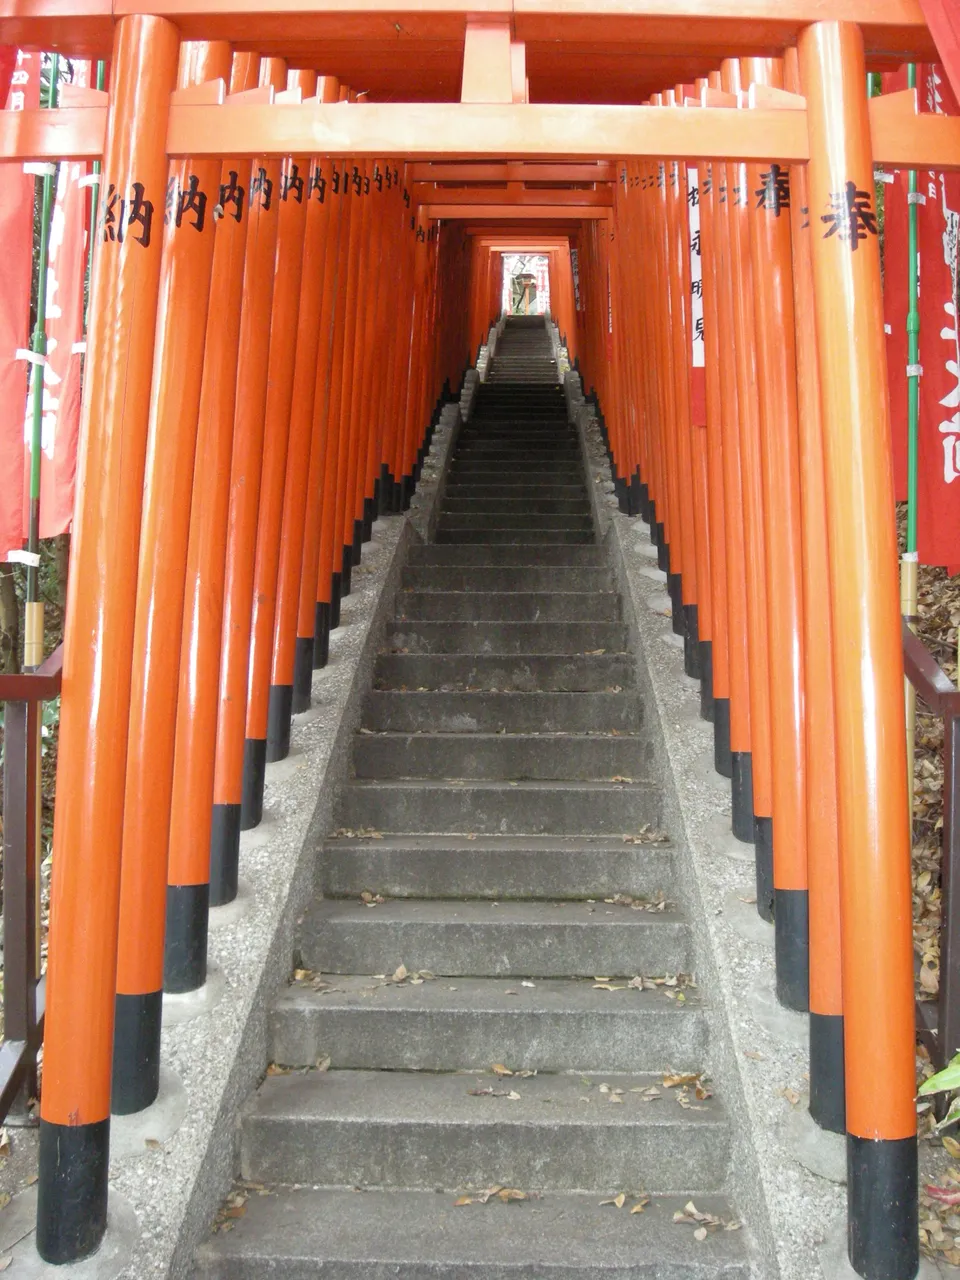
point(29, 558)
point(78, 349)
point(32, 357)
point(41, 168)
point(916, 197)
point(914, 370)
point(89, 180)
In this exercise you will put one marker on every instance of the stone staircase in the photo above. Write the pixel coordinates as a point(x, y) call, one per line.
point(480, 1050)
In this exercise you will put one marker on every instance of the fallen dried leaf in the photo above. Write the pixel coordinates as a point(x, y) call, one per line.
point(499, 1069)
point(618, 1200)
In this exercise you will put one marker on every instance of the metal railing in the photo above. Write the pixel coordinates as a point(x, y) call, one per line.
point(23, 987)
point(938, 1021)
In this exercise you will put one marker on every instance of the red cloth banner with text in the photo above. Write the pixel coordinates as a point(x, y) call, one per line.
point(61, 382)
point(938, 501)
point(895, 246)
point(16, 271)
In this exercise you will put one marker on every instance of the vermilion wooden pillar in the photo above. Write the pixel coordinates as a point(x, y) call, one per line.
point(769, 186)
point(294, 196)
point(168, 485)
point(191, 805)
point(304, 423)
point(98, 648)
point(245, 472)
point(875, 887)
point(827, 1085)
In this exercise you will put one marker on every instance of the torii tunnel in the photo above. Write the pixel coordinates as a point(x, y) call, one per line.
point(303, 212)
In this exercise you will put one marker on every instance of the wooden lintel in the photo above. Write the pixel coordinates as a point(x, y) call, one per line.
point(427, 193)
point(419, 131)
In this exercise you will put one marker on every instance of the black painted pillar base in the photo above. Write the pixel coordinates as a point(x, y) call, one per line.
point(360, 536)
point(623, 494)
point(384, 490)
point(136, 1052)
point(663, 549)
point(742, 793)
point(635, 502)
point(722, 755)
point(346, 570)
point(302, 674)
point(254, 780)
point(763, 838)
point(371, 509)
point(882, 1212)
point(321, 635)
point(279, 711)
point(224, 854)
point(828, 1105)
point(72, 1190)
point(706, 681)
point(185, 942)
point(334, 601)
point(645, 504)
point(691, 641)
point(675, 591)
point(652, 522)
point(792, 942)
point(407, 487)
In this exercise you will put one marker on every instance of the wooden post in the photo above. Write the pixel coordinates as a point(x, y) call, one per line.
point(875, 889)
point(98, 648)
point(165, 528)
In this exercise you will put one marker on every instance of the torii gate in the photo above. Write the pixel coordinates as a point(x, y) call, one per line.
point(563, 82)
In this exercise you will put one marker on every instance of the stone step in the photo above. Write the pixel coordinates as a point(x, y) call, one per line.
point(516, 506)
point(503, 474)
point(423, 1130)
point(537, 756)
point(496, 867)
point(515, 492)
point(497, 521)
point(504, 808)
point(311, 1234)
point(497, 713)
point(493, 452)
point(490, 939)
point(448, 533)
point(501, 673)
point(508, 606)
point(522, 578)
point(371, 1024)
point(559, 554)
point(578, 638)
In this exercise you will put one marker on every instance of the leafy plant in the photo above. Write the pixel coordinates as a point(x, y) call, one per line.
point(946, 1081)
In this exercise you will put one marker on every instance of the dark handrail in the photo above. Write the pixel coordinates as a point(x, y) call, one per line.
point(34, 686)
point(23, 1002)
point(943, 698)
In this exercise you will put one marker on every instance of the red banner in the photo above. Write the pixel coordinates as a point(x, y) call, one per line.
point(938, 500)
point(16, 270)
point(61, 389)
point(895, 244)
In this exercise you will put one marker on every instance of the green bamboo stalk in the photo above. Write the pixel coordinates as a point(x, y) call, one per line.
point(33, 649)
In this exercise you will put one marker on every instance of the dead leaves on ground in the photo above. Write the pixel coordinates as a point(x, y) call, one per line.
point(940, 1218)
point(506, 1195)
point(618, 1201)
point(675, 986)
point(703, 1223)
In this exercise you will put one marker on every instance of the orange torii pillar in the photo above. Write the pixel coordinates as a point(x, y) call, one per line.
point(165, 530)
point(875, 886)
point(98, 648)
point(191, 806)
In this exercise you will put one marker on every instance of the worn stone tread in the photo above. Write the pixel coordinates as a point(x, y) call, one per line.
point(314, 1234)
